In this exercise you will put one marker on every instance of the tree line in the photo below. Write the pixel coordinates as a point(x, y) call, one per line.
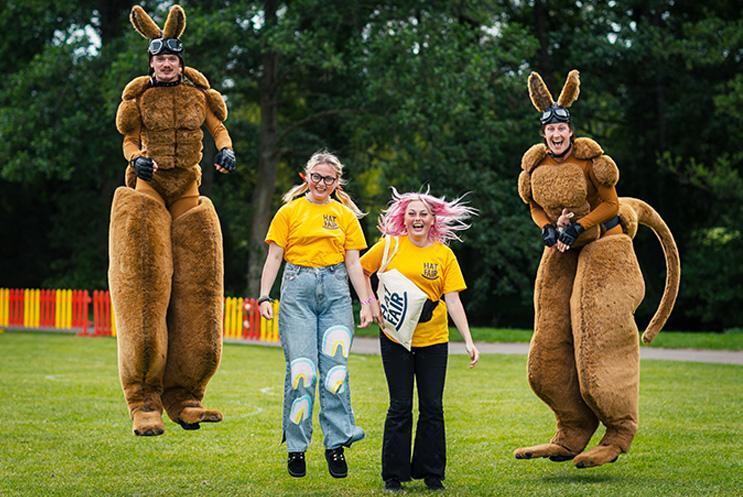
point(408, 93)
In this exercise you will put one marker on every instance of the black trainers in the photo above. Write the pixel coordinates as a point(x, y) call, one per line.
point(433, 483)
point(392, 485)
point(296, 465)
point(336, 462)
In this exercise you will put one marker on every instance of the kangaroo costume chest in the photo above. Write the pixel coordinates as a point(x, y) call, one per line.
point(172, 117)
point(558, 186)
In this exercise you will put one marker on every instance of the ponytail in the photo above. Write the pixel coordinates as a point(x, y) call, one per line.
point(295, 191)
point(345, 199)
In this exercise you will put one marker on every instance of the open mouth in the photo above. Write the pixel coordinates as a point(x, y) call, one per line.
point(418, 225)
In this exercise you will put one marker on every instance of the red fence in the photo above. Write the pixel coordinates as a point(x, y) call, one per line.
point(63, 310)
point(69, 310)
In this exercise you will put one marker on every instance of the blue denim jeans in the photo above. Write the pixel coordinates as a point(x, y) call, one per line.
point(316, 329)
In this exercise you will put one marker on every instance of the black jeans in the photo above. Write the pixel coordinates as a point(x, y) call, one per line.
point(428, 366)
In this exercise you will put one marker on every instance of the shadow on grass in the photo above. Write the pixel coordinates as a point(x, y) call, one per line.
point(581, 478)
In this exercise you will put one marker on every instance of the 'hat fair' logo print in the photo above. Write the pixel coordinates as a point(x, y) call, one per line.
point(430, 270)
point(329, 222)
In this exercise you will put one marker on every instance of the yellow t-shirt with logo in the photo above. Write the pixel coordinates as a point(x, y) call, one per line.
point(315, 235)
point(433, 269)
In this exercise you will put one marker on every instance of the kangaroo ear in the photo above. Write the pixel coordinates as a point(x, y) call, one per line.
point(539, 94)
point(143, 23)
point(570, 90)
point(175, 24)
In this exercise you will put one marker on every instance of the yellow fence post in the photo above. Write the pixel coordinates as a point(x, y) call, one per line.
point(227, 316)
point(37, 308)
point(239, 309)
point(4, 306)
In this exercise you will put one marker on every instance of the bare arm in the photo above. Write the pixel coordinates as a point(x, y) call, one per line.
point(270, 270)
point(356, 275)
point(456, 311)
point(376, 310)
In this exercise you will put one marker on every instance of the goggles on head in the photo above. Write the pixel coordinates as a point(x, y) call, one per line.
point(555, 114)
point(165, 45)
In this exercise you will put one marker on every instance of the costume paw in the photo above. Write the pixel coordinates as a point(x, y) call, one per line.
point(147, 423)
point(190, 417)
point(555, 452)
point(597, 456)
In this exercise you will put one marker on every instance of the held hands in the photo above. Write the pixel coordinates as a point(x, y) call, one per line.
point(564, 220)
point(472, 351)
point(568, 236)
point(549, 235)
point(225, 161)
point(144, 167)
point(366, 314)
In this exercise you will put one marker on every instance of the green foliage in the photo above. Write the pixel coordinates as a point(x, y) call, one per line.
point(408, 93)
point(74, 404)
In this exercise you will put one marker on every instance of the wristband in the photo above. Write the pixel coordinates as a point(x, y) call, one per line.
point(264, 298)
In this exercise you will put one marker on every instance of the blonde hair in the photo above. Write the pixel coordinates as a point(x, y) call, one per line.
point(324, 157)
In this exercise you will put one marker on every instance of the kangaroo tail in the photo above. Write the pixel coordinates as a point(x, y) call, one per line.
point(633, 212)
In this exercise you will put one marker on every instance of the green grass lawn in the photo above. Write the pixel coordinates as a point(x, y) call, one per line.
point(730, 340)
point(67, 433)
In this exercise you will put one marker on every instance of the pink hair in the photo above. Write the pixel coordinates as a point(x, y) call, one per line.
point(449, 217)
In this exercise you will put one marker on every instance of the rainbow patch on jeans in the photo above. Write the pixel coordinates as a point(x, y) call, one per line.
point(336, 337)
point(302, 369)
point(301, 409)
point(335, 378)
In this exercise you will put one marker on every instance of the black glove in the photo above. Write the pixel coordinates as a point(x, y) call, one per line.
point(143, 166)
point(570, 234)
point(549, 235)
point(226, 159)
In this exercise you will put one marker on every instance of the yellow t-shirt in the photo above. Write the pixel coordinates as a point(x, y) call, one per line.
point(433, 269)
point(315, 235)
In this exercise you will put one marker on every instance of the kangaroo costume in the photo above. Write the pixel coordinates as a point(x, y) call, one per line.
point(584, 356)
point(165, 243)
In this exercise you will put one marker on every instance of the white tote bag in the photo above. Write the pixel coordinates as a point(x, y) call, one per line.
point(400, 299)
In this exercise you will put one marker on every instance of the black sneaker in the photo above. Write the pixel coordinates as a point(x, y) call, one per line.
point(296, 464)
point(433, 483)
point(392, 485)
point(336, 462)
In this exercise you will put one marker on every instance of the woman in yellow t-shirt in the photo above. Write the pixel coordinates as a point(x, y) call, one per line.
point(320, 239)
point(422, 225)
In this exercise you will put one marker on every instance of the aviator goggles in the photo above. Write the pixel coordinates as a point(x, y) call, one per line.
point(168, 45)
point(555, 114)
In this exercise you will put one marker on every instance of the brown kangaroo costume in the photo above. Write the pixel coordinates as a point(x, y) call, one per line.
point(166, 267)
point(584, 355)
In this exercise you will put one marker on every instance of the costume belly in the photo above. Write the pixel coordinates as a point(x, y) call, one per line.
point(171, 133)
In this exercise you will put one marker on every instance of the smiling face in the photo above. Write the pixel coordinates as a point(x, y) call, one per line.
point(418, 220)
point(167, 67)
point(557, 136)
point(317, 181)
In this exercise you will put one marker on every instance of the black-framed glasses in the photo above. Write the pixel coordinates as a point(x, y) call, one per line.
point(555, 114)
point(328, 180)
point(159, 45)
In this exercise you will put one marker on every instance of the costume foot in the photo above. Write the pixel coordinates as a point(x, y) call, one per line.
point(555, 452)
point(190, 417)
point(597, 456)
point(147, 423)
